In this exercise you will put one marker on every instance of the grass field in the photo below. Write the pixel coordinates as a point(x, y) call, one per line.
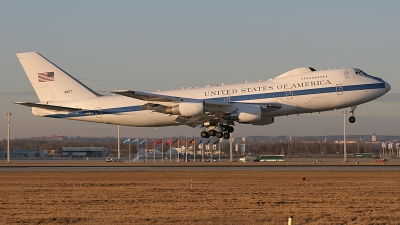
point(217, 197)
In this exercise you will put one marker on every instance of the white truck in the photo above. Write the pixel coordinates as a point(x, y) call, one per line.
point(246, 159)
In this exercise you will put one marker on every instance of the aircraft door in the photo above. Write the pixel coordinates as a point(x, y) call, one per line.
point(339, 89)
point(289, 93)
point(346, 75)
point(98, 112)
point(291, 106)
point(227, 98)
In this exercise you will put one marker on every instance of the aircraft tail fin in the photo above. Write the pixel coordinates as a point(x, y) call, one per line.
point(50, 82)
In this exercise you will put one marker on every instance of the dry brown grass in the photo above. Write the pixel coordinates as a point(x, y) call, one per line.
point(220, 197)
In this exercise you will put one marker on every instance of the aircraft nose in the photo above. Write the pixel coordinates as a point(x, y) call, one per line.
point(387, 87)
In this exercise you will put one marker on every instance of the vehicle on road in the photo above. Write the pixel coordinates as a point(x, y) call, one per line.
point(246, 159)
point(272, 158)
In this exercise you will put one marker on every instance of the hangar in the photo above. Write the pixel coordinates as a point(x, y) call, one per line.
point(84, 151)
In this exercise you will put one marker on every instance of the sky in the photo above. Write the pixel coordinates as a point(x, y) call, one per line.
point(164, 45)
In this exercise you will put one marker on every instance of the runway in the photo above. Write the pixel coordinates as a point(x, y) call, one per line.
point(291, 165)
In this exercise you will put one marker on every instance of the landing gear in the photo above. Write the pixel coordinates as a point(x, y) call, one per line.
point(227, 136)
point(223, 127)
point(224, 132)
point(212, 132)
point(227, 128)
point(230, 129)
point(204, 134)
point(352, 119)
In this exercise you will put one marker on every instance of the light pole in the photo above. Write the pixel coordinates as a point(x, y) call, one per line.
point(344, 135)
point(230, 149)
point(129, 151)
point(119, 148)
point(8, 136)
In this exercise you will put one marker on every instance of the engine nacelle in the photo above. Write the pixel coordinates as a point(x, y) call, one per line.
point(187, 109)
point(264, 121)
point(245, 114)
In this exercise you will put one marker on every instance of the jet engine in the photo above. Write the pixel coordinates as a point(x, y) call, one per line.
point(245, 114)
point(187, 109)
point(264, 121)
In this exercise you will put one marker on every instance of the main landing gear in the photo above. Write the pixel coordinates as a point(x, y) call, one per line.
point(220, 131)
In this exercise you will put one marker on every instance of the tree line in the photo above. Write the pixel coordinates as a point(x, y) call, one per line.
point(295, 148)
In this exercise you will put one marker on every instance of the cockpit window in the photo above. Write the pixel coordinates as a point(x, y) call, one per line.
point(362, 73)
point(358, 71)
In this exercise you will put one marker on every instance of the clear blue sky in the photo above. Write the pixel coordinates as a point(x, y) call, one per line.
point(163, 45)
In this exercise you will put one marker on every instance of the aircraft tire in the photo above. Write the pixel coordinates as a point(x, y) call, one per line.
point(219, 134)
point(227, 136)
point(352, 119)
point(204, 134)
point(230, 129)
point(224, 127)
point(212, 132)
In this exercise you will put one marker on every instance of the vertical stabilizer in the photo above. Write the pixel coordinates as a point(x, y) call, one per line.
point(50, 82)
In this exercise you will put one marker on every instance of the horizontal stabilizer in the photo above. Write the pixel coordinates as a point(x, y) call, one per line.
point(49, 107)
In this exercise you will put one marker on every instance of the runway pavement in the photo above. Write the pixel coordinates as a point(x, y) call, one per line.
point(297, 164)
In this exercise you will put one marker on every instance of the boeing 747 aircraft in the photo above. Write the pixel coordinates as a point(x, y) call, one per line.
point(214, 108)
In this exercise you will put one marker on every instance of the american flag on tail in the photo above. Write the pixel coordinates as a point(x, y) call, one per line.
point(46, 76)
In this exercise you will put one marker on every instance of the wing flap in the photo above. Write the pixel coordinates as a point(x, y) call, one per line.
point(196, 120)
point(269, 107)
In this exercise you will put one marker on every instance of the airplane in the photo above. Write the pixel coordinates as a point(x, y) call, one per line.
point(213, 108)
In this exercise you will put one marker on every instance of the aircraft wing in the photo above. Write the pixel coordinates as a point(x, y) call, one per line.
point(215, 109)
point(151, 97)
point(147, 96)
point(269, 107)
point(48, 107)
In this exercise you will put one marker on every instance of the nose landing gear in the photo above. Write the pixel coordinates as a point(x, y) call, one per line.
point(352, 119)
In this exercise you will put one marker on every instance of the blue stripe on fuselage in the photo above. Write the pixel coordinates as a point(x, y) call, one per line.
point(231, 99)
point(289, 92)
point(97, 112)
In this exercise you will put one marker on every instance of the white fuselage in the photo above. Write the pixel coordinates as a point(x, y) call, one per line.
point(300, 93)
